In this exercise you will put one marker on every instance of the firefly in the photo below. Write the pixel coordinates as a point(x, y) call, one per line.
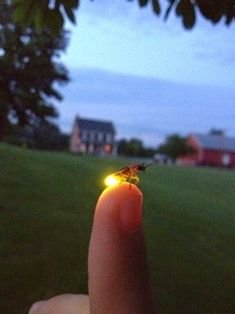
point(126, 174)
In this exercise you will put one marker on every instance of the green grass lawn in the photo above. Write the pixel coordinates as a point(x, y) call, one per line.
point(46, 206)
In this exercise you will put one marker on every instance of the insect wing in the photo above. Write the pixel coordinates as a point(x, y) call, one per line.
point(123, 173)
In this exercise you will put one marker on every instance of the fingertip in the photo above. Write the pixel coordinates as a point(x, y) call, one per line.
point(120, 206)
point(121, 191)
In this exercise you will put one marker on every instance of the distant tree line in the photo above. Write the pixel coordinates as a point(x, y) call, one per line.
point(43, 135)
point(134, 148)
point(173, 147)
point(46, 135)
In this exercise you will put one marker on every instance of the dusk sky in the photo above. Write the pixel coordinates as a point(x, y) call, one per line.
point(150, 77)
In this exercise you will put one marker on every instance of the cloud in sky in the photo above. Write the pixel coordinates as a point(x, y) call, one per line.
point(120, 37)
point(146, 107)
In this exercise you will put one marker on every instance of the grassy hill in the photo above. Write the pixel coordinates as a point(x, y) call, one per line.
point(46, 207)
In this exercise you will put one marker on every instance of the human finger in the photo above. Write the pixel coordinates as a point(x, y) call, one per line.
point(118, 272)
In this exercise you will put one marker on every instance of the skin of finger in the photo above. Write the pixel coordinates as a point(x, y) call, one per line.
point(118, 273)
point(62, 304)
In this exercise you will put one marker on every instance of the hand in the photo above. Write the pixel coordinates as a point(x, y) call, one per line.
point(117, 266)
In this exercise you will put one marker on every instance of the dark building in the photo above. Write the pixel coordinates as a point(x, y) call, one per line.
point(93, 137)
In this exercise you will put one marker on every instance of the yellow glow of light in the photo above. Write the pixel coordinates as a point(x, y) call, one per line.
point(111, 180)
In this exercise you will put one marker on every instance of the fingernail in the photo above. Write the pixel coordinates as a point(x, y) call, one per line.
point(36, 306)
point(130, 213)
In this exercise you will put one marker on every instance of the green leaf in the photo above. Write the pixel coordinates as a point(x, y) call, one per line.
point(22, 11)
point(156, 7)
point(26, 12)
point(212, 10)
point(186, 10)
point(230, 14)
point(180, 8)
point(18, 14)
point(38, 20)
point(190, 18)
point(54, 20)
point(70, 4)
point(70, 15)
point(143, 3)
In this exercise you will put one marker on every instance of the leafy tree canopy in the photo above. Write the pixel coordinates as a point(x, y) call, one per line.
point(175, 146)
point(29, 70)
point(51, 13)
point(134, 148)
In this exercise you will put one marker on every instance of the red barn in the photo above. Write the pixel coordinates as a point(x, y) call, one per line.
point(211, 150)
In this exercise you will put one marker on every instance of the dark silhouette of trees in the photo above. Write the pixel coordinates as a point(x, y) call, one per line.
point(42, 135)
point(134, 148)
point(29, 70)
point(175, 146)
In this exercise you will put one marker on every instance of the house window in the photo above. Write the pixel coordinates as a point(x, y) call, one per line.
point(109, 137)
point(84, 136)
point(91, 148)
point(226, 158)
point(92, 136)
point(82, 147)
point(100, 137)
point(107, 148)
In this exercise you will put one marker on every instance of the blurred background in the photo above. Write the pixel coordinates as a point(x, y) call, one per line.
point(89, 87)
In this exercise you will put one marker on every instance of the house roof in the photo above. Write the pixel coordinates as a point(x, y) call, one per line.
point(96, 125)
point(216, 142)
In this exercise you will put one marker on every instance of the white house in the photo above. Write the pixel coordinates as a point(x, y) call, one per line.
point(93, 137)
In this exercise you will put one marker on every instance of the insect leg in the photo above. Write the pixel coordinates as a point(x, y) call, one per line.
point(134, 180)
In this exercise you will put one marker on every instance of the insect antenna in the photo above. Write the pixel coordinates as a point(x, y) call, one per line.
point(149, 164)
point(142, 167)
